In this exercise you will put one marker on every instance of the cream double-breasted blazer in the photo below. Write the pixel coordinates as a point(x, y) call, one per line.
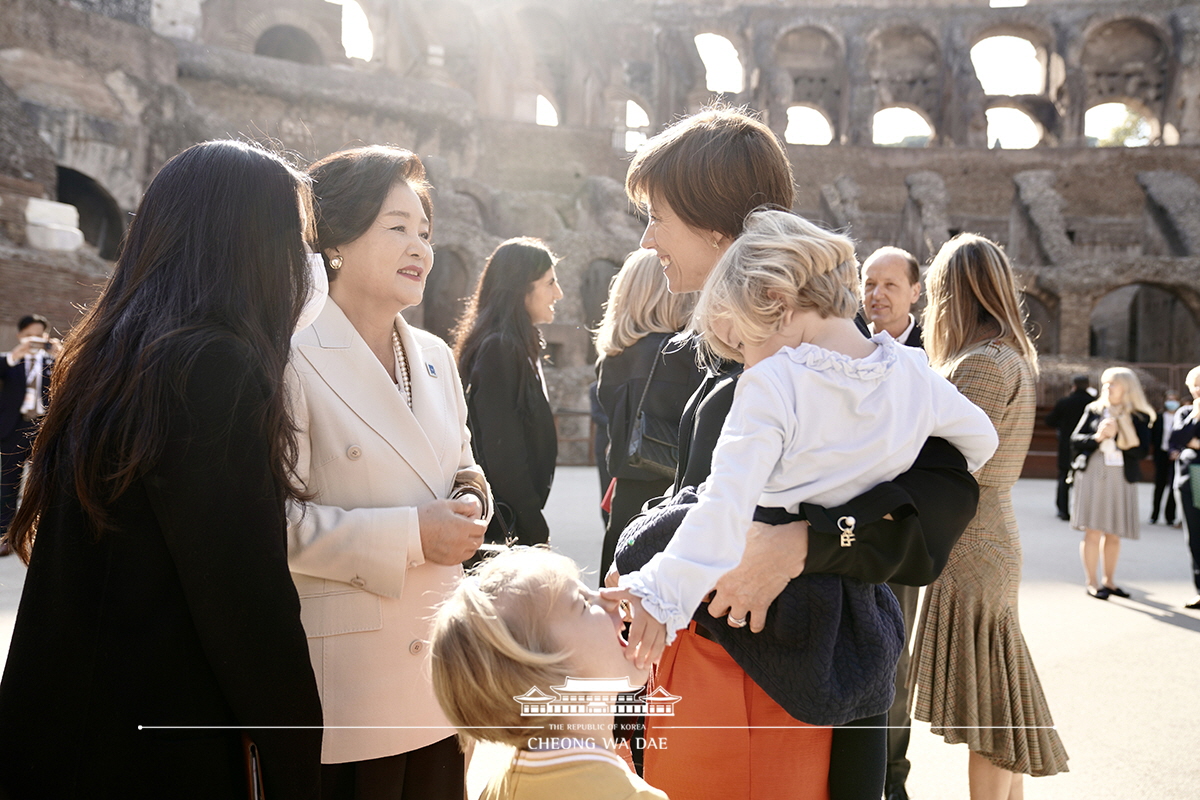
point(366, 591)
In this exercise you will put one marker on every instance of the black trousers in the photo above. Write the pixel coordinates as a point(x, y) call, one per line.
point(1164, 475)
point(858, 760)
point(898, 722)
point(1191, 522)
point(436, 771)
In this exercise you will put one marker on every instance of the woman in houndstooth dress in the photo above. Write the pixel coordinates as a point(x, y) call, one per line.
point(974, 678)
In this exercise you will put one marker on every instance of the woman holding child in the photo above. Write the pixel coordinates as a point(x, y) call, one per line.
point(975, 680)
point(699, 180)
point(396, 500)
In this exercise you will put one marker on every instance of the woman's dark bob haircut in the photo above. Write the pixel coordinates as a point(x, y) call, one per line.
point(215, 253)
point(713, 168)
point(349, 188)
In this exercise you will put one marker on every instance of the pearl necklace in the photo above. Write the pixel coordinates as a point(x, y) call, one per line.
point(405, 382)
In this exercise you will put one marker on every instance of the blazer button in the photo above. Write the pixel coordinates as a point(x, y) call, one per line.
point(416, 647)
point(358, 582)
point(354, 452)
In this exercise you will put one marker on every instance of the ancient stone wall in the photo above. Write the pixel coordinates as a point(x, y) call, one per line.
point(110, 89)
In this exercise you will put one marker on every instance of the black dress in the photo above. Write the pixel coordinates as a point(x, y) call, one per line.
point(184, 614)
point(513, 437)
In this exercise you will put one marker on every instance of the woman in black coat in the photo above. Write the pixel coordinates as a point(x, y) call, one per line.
point(158, 623)
point(498, 348)
point(640, 318)
point(1110, 441)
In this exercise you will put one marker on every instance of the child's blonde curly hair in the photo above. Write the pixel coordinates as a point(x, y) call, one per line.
point(780, 262)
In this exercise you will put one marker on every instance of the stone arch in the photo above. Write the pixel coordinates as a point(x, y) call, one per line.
point(741, 52)
point(111, 166)
point(1041, 38)
point(1144, 322)
point(446, 292)
point(904, 63)
point(549, 45)
point(617, 100)
point(810, 70)
point(454, 27)
point(1042, 321)
point(593, 290)
point(922, 113)
point(1127, 59)
point(289, 43)
point(817, 110)
point(100, 218)
point(1042, 114)
point(240, 25)
point(1037, 38)
point(1132, 104)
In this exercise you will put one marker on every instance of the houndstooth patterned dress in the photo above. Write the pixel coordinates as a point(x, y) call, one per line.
point(973, 675)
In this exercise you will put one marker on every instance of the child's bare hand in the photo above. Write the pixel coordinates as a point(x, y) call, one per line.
point(647, 636)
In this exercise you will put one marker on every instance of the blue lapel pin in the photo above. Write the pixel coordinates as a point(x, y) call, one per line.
point(432, 371)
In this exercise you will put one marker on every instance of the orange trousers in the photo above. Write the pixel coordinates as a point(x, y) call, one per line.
point(727, 739)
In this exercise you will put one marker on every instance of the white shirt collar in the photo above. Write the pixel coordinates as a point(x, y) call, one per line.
point(902, 338)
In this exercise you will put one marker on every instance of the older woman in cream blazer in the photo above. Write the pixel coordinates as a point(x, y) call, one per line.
point(384, 450)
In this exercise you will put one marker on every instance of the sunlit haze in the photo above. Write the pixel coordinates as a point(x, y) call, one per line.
point(356, 32)
point(1005, 65)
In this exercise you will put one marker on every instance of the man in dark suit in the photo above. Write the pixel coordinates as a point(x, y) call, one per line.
point(1064, 417)
point(25, 373)
point(891, 285)
point(1164, 466)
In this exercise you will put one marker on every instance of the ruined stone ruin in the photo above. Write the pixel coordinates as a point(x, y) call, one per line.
point(96, 94)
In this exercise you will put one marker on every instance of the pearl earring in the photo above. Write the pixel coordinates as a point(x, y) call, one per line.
point(335, 262)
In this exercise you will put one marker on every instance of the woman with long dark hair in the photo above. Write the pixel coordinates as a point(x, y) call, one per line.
point(398, 503)
point(499, 350)
point(158, 622)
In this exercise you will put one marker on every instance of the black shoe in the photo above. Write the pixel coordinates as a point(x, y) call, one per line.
point(1195, 602)
point(897, 792)
point(1117, 591)
point(1100, 594)
point(1153, 520)
point(1065, 517)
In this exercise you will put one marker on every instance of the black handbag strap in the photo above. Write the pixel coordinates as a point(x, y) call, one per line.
point(646, 389)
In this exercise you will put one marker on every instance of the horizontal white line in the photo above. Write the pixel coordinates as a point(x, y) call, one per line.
point(852, 727)
point(318, 728)
point(505, 727)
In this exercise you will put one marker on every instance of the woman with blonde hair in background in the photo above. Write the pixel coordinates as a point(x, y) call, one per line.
point(636, 360)
point(1109, 443)
point(974, 677)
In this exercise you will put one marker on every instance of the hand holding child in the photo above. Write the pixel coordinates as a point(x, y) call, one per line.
point(774, 555)
point(647, 636)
